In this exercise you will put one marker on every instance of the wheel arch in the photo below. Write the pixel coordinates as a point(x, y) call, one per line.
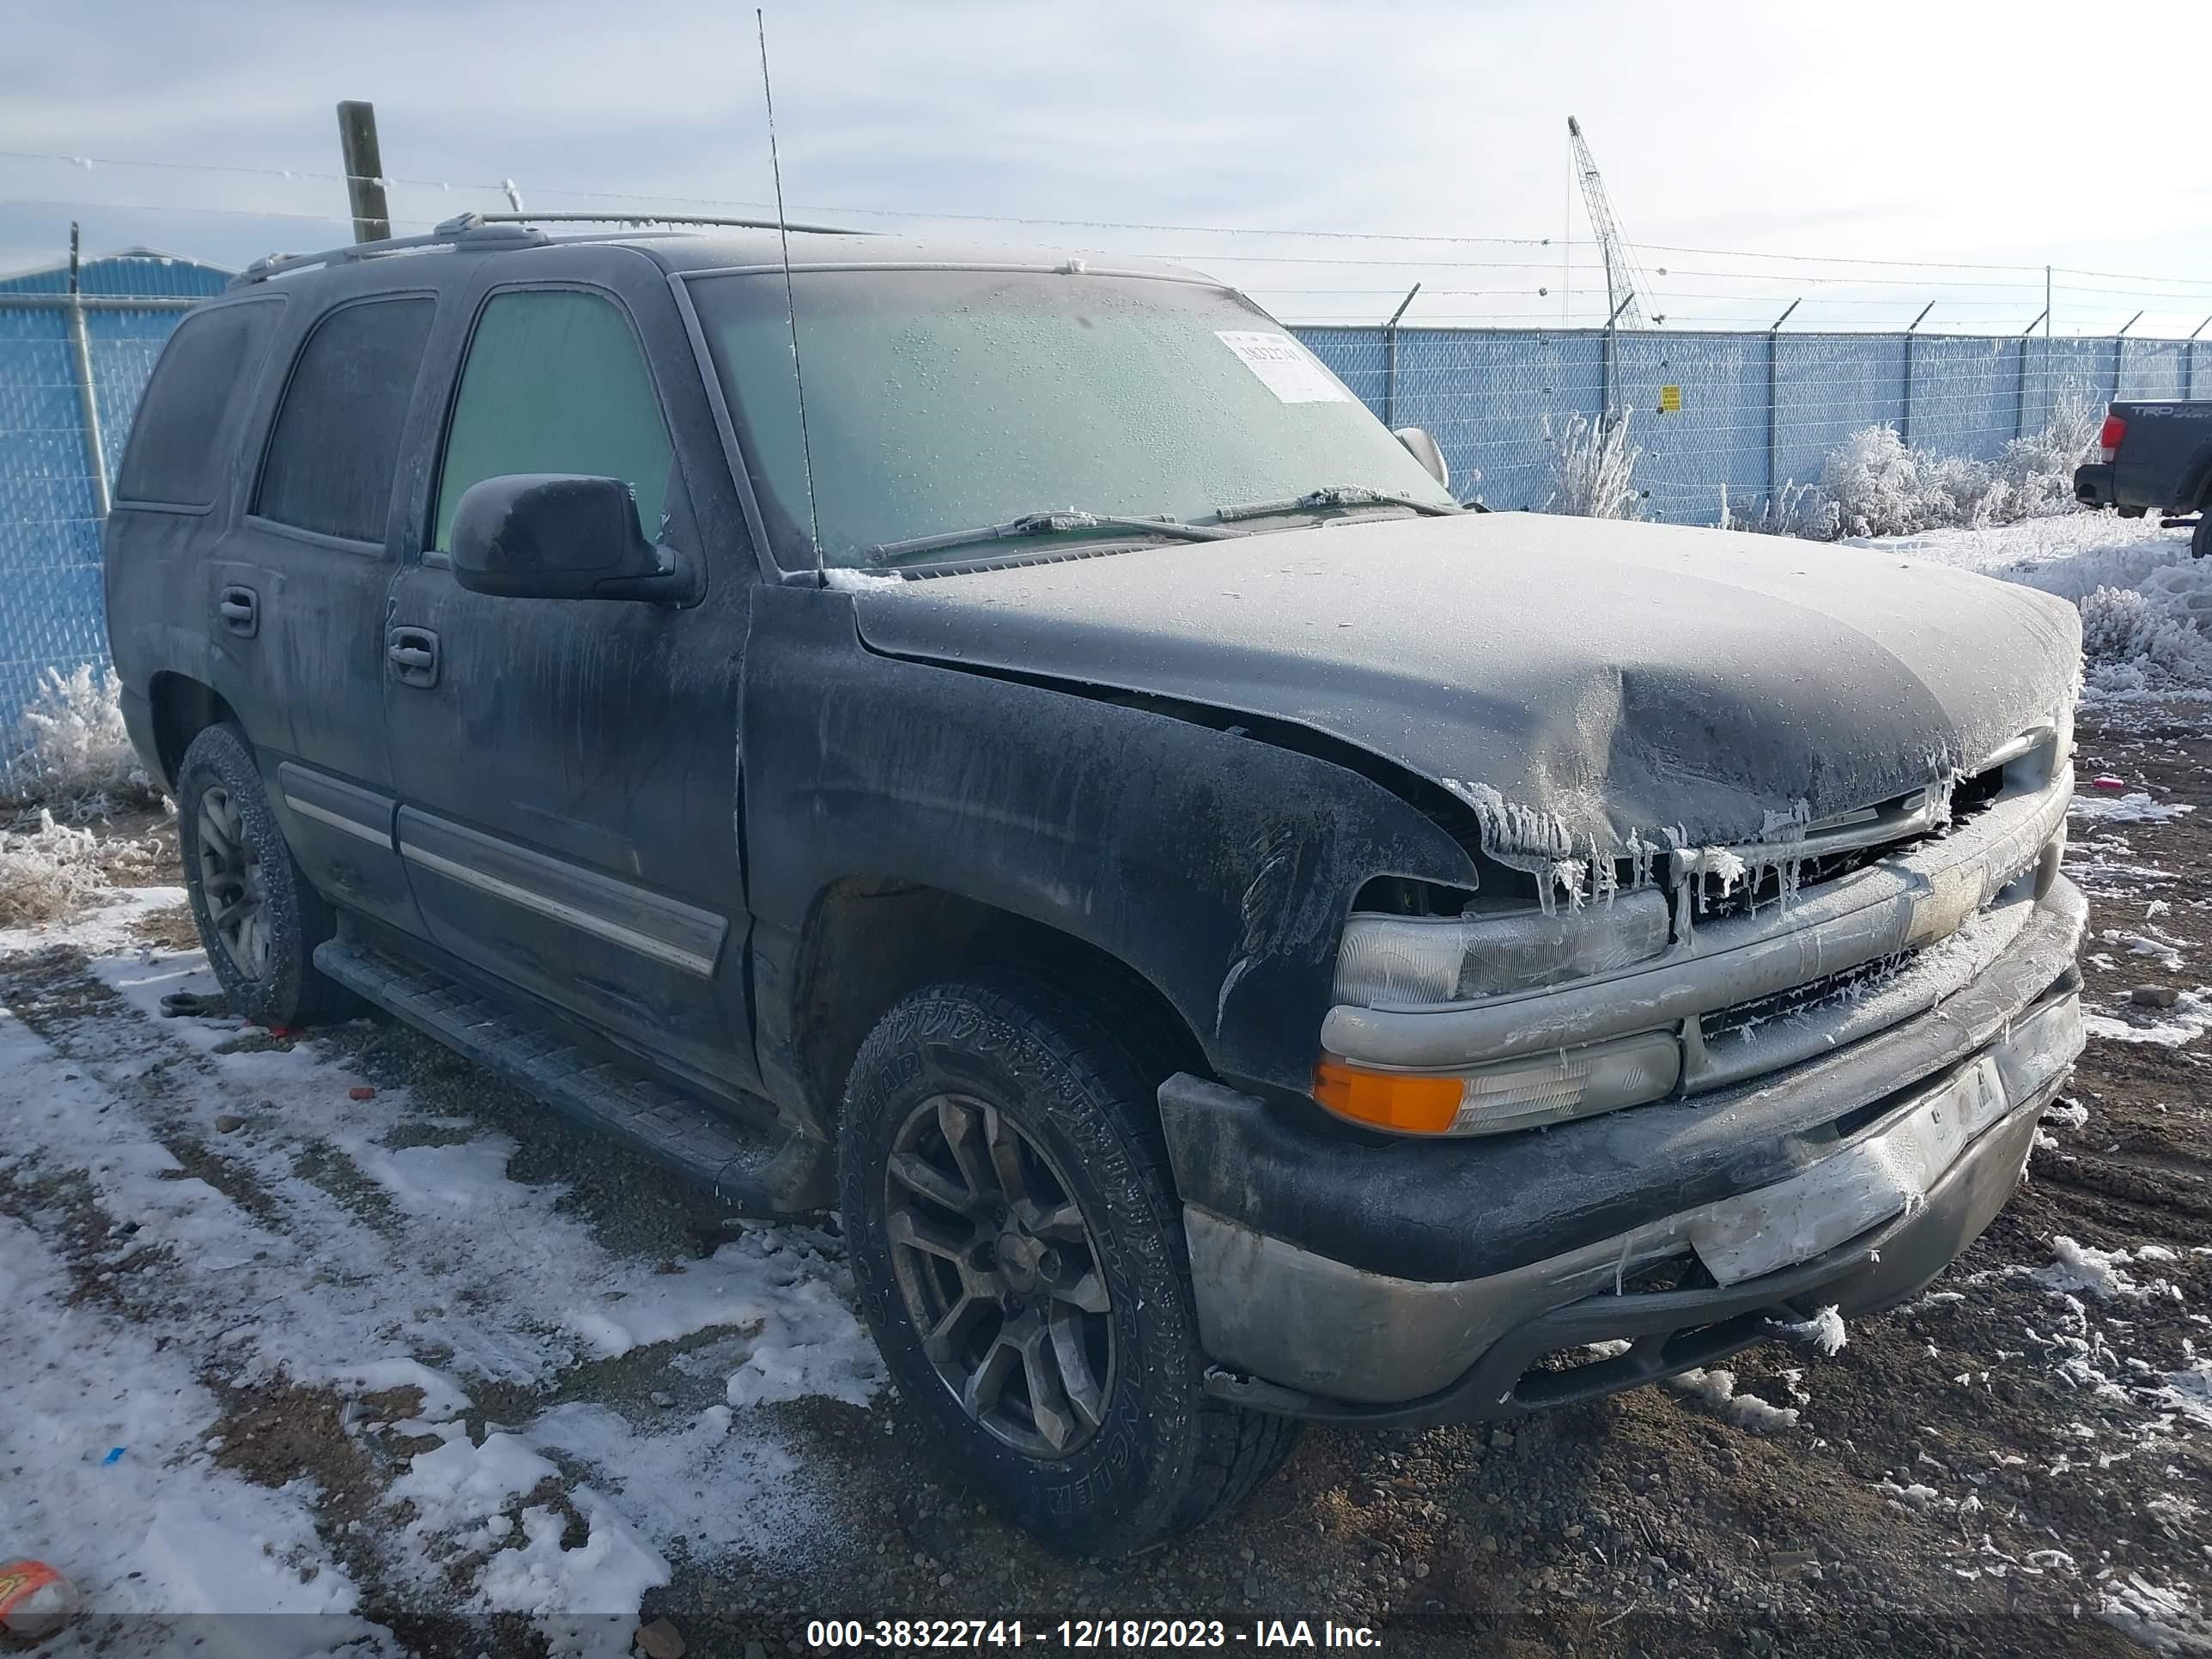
point(870, 940)
point(183, 708)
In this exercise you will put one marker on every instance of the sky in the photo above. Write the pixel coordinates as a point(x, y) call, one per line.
point(1753, 153)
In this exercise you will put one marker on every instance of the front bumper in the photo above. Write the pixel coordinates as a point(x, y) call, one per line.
point(1409, 1283)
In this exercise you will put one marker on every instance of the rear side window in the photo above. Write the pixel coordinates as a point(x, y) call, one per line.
point(555, 382)
point(337, 438)
point(176, 441)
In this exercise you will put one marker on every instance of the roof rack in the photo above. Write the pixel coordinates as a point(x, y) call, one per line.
point(503, 230)
point(654, 219)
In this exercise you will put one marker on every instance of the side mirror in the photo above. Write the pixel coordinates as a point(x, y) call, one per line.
point(559, 536)
point(1423, 448)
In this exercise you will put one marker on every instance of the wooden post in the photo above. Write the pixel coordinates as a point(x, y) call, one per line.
point(364, 170)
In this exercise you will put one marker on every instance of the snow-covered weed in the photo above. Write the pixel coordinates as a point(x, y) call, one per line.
point(2132, 643)
point(1796, 509)
point(1872, 483)
point(1882, 488)
point(71, 753)
point(1593, 468)
point(52, 871)
point(2033, 477)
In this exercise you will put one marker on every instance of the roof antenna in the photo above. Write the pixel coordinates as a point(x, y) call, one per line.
point(790, 305)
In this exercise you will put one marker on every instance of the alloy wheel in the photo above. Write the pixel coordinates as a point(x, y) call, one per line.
point(1000, 1275)
point(231, 884)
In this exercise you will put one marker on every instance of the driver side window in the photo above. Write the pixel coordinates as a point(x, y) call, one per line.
point(555, 382)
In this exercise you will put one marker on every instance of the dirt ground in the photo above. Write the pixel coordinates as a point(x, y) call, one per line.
point(2016, 1462)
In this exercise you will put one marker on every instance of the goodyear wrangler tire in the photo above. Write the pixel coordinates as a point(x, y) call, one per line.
point(1018, 1251)
point(257, 916)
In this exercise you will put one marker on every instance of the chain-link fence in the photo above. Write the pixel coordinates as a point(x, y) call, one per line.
point(73, 361)
point(1741, 413)
point(1746, 412)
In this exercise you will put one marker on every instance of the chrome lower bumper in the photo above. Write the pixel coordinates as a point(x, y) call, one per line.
point(1921, 1159)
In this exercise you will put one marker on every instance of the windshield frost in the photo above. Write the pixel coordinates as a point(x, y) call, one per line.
point(937, 401)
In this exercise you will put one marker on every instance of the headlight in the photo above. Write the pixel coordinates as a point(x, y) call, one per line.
point(1388, 962)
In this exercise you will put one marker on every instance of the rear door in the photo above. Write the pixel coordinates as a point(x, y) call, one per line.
point(176, 493)
point(568, 768)
point(297, 590)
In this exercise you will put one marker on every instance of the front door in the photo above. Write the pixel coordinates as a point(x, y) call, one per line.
point(568, 768)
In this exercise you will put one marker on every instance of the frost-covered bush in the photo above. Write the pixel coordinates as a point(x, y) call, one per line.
point(1881, 486)
point(2034, 476)
point(2132, 645)
point(72, 752)
point(50, 871)
point(1593, 469)
point(1872, 483)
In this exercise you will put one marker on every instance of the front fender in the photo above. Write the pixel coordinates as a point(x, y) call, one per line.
point(1218, 866)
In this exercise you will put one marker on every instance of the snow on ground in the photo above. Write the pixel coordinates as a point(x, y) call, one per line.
point(2145, 603)
point(2143, 600)
point(308, 1228)
point(104, 1423)
point(2133, 807)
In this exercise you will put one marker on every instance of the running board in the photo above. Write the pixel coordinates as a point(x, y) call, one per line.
point(741, 1169)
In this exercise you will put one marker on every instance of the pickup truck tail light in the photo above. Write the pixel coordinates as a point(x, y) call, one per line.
point(2108, 440)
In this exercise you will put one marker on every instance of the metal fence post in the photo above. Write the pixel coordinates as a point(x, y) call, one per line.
point(1390, 359)
point(1605, 368)
point(80, 342)
point(2191, 393)
point(2120, 357)
point(1905, 428)
point(1774, 391)
point(2020, 389)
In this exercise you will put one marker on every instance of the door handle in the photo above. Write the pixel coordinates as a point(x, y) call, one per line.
point(413, 652)
point(240, 610)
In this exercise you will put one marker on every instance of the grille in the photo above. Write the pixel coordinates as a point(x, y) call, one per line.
point(1849, 986)
point(1764, 886)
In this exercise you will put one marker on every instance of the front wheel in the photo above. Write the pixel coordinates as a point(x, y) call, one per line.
point(257, 916)
point(1018, 1250)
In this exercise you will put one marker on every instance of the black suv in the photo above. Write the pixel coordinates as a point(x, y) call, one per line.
point(1006, 745)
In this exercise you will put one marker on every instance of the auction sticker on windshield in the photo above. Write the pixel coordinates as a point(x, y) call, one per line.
point(1283, 365)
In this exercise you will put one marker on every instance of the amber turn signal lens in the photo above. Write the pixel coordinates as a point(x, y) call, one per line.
point(1389, 1100)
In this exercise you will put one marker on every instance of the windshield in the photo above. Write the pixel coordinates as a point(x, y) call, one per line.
point(937, 401)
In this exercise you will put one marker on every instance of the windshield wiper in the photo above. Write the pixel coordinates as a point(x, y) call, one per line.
point(1050, 523)
point(1316, 501)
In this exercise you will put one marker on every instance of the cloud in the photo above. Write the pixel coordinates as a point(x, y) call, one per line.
point(1905, 131)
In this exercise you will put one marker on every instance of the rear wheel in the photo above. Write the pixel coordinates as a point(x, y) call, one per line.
point(1017, 1250)
point(257, 916)
point(2200, 539)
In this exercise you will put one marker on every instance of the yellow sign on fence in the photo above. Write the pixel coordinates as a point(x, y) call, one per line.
point(1670, 400)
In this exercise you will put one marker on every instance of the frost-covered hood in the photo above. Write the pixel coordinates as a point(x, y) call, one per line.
point(1614, 680)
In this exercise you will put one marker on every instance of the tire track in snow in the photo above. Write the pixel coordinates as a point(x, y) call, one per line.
point(260, 1278)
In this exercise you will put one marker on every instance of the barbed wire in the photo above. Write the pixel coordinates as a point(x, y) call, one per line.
point(1737, 279)
point(1456, 238)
